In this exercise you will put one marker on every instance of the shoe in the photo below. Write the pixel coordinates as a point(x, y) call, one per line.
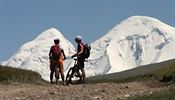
point(51, 82)
point(64, 83)
point(56, 81)
point(67, 82)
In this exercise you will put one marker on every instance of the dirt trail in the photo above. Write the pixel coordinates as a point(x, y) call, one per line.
point(101, 91)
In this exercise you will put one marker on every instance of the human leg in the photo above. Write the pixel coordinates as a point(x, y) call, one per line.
point(81, 67)
point(61, 70)
point(83, 74)
point(52, 70)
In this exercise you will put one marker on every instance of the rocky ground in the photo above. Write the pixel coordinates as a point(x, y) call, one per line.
point(100, 91)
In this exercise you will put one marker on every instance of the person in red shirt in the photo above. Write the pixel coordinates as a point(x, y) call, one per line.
point(56, 61)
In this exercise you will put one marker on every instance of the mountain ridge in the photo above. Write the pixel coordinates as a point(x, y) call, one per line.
point(139, 37)
point(136, 41)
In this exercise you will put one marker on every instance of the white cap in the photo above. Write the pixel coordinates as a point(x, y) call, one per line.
point(78, 37)
point(57, 39)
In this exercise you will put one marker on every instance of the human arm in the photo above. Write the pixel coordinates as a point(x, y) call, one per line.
point(63, 54)
point(50, 53)
point(78, 53)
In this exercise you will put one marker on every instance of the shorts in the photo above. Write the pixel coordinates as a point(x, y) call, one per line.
point(56, 64)
point(81, 62)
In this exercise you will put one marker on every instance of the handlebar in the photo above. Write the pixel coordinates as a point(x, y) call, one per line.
point(76, 59)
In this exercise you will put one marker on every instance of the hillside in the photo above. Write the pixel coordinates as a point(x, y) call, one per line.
point(9, 75)
point(164, 71)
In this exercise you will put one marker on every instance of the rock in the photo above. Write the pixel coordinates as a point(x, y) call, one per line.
point(53, 93)
point(127, 95)
point(127, 87)
point(96, 97)
point(103, 90)
point(150, 92)
point(17, 98)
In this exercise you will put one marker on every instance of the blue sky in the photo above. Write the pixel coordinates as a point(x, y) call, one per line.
point(22, 20)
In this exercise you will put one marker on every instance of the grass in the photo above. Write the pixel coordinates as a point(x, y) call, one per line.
point(166, 75)
point(163, 95)
point(8, 75)
point(163, 72)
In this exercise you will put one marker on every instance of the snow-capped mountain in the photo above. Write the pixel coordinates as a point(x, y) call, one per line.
point(136, 41)
point(34, 55)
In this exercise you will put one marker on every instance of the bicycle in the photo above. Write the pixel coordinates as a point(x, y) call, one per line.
point(75, 74)
point(56, 76)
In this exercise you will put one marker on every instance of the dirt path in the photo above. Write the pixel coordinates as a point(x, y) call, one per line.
point(102, 91)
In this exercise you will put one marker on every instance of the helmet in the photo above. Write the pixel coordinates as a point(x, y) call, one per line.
point(78, 38)
point(57, 41)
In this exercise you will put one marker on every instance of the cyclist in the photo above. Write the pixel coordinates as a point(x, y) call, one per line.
point(80, 58)
point(56, 55)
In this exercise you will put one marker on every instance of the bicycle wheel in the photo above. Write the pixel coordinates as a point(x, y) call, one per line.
point(68, 76)
point(73, 75)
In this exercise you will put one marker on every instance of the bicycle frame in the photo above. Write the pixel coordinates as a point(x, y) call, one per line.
point(73, 72)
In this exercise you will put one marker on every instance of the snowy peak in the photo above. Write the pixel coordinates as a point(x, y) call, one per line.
point(142, 19)
point(136, 41)
point(50, 33)
point(135, 24)
point(145, 20)
point(34, 54)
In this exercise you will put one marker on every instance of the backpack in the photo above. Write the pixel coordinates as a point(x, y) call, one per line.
point(56, 52)
point(86, 50)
